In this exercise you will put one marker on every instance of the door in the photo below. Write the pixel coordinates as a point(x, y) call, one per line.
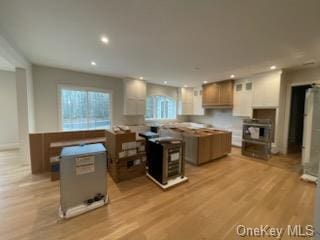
point(216, 148)
point(130, 107)
point(140, 106)
point(211, 95)
point(295, 138)
point(205, 95)
point(226, 93)
point(307, 127)
point(214, 94)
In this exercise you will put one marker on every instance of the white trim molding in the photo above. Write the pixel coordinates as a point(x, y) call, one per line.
point(9, 146)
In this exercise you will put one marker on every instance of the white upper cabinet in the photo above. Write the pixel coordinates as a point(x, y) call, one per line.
point(197, 102)
point(185, 101)
point(266, 90)
point(259, 91)
point(135, 93)
point(242, 98)
point(190, 101)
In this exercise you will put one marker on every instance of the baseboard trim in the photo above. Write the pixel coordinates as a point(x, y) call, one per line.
point(9, 146)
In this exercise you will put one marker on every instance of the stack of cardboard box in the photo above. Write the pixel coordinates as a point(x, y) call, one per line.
point(126, 155)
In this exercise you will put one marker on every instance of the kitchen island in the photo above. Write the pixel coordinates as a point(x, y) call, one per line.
point(202, 145)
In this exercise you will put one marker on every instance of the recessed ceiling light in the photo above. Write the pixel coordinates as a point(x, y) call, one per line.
point(273, 67)
point(232, 76)
point(104, 39)
point(205, 82)
point(93, 63)
point(141, 78)
point(165, 82)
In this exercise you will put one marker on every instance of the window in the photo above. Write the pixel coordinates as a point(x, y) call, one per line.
point(83, 109)
point(160, 107)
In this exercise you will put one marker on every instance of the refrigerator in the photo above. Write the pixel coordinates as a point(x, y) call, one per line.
point(311, 133)
point(317, 213)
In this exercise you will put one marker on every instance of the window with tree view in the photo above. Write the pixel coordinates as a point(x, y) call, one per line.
point(160, 108)
point(83, 109)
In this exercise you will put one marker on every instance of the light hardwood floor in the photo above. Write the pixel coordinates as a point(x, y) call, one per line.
point(218, 196)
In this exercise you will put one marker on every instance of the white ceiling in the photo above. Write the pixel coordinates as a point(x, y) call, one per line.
point(179, 41)
point(5, 65)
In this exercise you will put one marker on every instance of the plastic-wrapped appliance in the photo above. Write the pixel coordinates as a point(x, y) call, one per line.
point(83, 185)
point(311, 135)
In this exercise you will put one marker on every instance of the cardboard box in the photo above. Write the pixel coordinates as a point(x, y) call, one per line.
point(127, 168)
point(141, 145)
point(116, 141)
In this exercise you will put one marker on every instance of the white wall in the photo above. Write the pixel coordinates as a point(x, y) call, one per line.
point(25, 103)
point(47, 79)
point(155, 89)
point(9, 137)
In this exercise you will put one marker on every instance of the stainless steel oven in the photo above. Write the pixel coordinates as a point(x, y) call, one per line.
point(256, 138)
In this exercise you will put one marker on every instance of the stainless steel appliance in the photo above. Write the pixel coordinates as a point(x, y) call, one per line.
point(166, 159)
point(311, 132)
point(83, 185)
point(256, 138)
point(317, 214)
point(317, 210)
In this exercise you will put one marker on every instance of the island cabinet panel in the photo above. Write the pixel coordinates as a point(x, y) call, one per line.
point(207, 146)
point(216, 146)
point(202, 145)
point(204, 149)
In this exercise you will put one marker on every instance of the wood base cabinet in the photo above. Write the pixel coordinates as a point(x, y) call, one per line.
point(206, 146)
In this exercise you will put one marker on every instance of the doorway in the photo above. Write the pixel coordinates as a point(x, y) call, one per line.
point(295, 137)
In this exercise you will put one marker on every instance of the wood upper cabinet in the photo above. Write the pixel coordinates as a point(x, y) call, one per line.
point(210, 95)
point(218, 94)
point(226, 93)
